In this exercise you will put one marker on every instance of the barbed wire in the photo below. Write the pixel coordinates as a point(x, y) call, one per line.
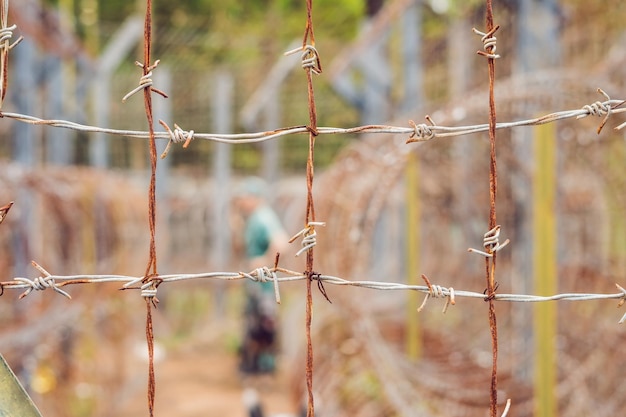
point(417, 132)
point(271, 274)
point(148, 283)
point(6, 33)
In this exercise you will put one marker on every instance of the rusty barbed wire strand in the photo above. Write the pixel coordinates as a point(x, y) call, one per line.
point(489, 43)
point(311, 64)
point(417, 132)
point(150, 280)
point(6, 33)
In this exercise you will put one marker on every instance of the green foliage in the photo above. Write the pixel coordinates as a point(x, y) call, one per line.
point(234, 30)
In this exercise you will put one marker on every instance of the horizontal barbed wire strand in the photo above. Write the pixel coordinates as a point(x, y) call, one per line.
point(417, 132)
point(20, 283)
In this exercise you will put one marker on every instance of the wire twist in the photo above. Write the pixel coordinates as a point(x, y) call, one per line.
point(437, 291)
point(422, 132)
point(491, 243)
point(145, 81)
point(178, 135)
point(149, 288)
point(265, 274)
point(597, 109)
point(309, 237)
point(489, 42)
point(601, 109)
point(310, 58)
point(40, 283)
point(6, 34)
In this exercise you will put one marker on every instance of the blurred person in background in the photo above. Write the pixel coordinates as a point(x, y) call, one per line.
point(264, 236)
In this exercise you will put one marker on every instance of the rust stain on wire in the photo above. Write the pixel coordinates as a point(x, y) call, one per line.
point(490, 261)
point(6, 33)
point(151, 280)
point(4, 210)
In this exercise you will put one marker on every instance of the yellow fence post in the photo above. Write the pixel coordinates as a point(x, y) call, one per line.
point(615, 158)
point(544, 270)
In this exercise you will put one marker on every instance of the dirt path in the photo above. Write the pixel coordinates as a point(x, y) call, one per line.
point(201, 380)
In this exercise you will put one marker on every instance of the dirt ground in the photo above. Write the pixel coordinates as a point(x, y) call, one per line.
point(200, 379)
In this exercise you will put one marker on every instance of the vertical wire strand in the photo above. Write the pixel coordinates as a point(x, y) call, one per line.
point(490, 262)
point(309, 35)
point(151, 268)
point(4, 64)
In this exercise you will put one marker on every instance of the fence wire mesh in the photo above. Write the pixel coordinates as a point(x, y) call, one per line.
point(148, 284)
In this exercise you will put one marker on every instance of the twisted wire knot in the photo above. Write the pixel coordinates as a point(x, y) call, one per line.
point(599, 109)
point(40, 284)
point(491, 243)
point(264, 274)
point(489, 42)
point(176, 136)
point(421, 132)
point(145, 81)
point(310, 58)
point(309, 236)
point(149, 288)
point(437, 291)
point(6, 33)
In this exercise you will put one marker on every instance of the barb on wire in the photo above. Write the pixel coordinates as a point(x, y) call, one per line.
point(6, 34)
point(437, 291)
point(491, 243)
point(264, 274)
point(489, 42)
point(4, 210)
point(286, 275)
point(40, 283)
point(414, 130)
point(176, 136)
point(506, 408)
point(601, 109)
point(149, 289)
point(312, 65)
point(145, 81)
point(275, 278)
point(148, 286)
point(310, 58)
point(421, 132)
point(309, 236)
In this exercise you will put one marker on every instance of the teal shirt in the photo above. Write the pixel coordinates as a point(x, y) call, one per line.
point(262, 224)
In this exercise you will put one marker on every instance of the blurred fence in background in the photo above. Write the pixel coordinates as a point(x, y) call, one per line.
point(361, 196)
